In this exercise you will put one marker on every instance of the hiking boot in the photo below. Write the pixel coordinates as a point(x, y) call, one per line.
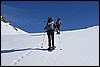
point(53, 47)
point(49, 49)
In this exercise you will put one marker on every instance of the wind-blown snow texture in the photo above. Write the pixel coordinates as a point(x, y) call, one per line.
point(79, 48)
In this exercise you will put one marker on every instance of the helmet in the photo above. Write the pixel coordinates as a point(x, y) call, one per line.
point(58, 18)
point(50, 19)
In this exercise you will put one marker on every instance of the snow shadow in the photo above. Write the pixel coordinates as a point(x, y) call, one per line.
point(44, 49)
point(15, 50)
point(38, 34)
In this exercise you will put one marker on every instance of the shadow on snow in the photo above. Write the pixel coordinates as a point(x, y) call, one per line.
point(15, 50)
point(38, 34)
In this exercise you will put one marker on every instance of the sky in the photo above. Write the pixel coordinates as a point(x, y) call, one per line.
point(31, 16)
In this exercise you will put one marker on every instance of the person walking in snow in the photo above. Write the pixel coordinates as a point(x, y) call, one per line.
point(58, 23)
point(50, 26)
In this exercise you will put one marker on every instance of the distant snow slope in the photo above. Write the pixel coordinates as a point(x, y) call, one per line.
point(7, 29)
point(73, 48)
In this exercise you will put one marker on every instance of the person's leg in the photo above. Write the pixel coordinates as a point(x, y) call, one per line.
point(53, 39)
point(59, 29)
point(49, 40)
point(53, 47)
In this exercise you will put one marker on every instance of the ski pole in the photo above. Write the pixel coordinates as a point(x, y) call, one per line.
point(62, 28)
point(43, 41)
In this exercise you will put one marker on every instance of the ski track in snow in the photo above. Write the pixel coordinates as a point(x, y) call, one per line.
point(14, 62)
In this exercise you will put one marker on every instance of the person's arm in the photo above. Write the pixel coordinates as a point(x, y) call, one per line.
point(45, 28)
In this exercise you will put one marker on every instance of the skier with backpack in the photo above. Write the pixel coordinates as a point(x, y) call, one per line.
point(58, 23)
point(50, 26)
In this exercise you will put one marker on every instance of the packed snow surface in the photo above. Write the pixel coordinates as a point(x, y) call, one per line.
point(73, 48)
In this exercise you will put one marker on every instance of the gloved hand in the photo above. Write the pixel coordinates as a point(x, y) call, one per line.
point(45, 29)
point(60, 23)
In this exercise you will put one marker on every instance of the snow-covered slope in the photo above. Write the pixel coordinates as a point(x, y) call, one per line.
point(73, 48)
point(7, 29)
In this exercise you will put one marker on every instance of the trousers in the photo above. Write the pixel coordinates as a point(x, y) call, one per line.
point(50, 34)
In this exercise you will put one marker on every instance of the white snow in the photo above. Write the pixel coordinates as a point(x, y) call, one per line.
point(79, 48)
point(9, 30)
